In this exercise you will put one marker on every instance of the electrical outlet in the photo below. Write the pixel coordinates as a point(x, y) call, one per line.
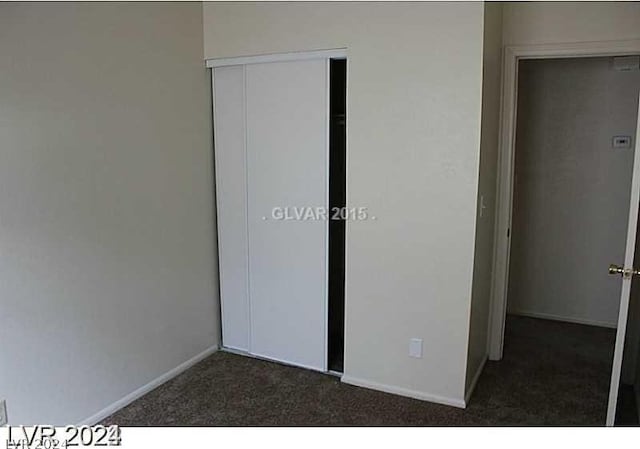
point(415, 348)
point(3, 413)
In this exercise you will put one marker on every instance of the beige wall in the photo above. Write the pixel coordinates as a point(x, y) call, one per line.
point(107, 274)
point(528, 23)
point(483, 256)
point(414, 94)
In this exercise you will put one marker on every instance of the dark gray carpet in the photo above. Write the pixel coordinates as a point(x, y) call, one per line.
point(552, 374)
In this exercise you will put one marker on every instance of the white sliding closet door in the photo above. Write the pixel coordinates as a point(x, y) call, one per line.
point(287, 160)
point(271, 145)
point(231, 194)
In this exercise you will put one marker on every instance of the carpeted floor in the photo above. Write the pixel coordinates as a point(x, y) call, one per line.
point(552, 374)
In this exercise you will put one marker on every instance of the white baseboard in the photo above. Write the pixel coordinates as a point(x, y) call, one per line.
point(128, 399)
point(474, 381)
point(549, 316)
point(459, 403)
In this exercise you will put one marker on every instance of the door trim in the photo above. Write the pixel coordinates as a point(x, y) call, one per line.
point(337, 53)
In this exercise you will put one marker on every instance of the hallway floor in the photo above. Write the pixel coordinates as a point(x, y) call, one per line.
point(552, 374)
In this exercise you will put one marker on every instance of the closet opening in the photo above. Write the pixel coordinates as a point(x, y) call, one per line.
point(282, 280)
point(337, 200)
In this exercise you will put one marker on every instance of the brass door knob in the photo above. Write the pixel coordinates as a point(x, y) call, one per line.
point(625, 272)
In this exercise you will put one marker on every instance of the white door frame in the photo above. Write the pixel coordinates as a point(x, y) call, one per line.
point(502, 246)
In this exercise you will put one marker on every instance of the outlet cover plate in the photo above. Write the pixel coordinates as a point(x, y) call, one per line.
point(415, 348)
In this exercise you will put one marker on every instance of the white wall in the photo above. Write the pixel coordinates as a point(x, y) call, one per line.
point(571, 189)
point(485, 214)
point(414, 100)
point(107, 274)
point(528, 23)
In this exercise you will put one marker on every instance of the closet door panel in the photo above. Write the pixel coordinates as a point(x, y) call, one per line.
point(287, 161)
point(231, 196)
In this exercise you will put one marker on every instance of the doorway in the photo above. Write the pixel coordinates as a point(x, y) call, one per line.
point(571, 188)
point(567, 163)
